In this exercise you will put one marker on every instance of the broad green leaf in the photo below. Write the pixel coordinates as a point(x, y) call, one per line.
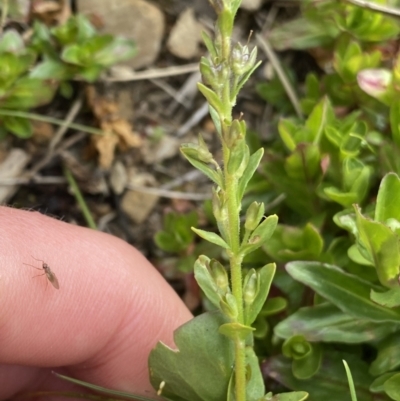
point(201, 353)
point(211, 237)
point(249, 171)
point(390, 298)
point(326, 323)
point(265, 277)
point(388, 357)
point(103, 389)
point(381, 247)
point(346, 291)
point(387, 203)
point(329, 383)
point(392, 387)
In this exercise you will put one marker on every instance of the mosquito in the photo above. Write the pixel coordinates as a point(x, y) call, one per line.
point(47, 271)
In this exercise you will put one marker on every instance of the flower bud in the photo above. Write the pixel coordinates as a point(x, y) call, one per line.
point(204, 154)
point(236, 130)
point(254, 214)
point(377, 83)
point(229, 307)
point(250, 287)
point(242, 59)
point(220, 276)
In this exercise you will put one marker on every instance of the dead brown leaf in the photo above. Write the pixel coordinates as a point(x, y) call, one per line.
point(118, 130)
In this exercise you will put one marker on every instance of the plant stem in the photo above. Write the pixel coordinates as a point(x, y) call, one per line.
point(50, 120)
point(80, 199)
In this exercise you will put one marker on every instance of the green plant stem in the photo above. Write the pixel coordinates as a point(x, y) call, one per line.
point(233, 207)
point(50, 120)
point(79, 198)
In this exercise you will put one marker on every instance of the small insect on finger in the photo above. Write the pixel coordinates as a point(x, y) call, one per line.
point(48, 272)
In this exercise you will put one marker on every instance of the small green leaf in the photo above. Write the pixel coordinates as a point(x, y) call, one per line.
point(306, 356)
point(236, 331)
point(287, 130)
point(21, 127)
point(211, 237)
point(265, 276)
point(249, 171)
point(213, 175)
point(321, 115)
point(387, 205)
point(392, 387)
point(255, 388)
point(348, 292)
point(28, 93)
point(211, 97)
point(388, 357)
point(380, 245)
point(293, 396)
point(206, 281)
point(260, 235)
point(274, 306)
point(390, 298)
point(377, 386)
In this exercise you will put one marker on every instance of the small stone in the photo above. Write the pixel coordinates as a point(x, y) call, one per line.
point(118, 177)
point(134, 19)
point(185, 36)
point(138, 205)
point(251, 5)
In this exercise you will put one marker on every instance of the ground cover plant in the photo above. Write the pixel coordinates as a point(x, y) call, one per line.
point(286, 302)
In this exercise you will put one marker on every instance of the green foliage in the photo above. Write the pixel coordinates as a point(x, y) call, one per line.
point(31, 73)
point(202, 352)
point(336, 173)
point(177, 234)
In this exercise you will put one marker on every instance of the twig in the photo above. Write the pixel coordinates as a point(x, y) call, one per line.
point(4, 13)
point(189, 176)
point(36, 179)
point(70, 117)
point(80, 199)
point(50, 120)
point(49, 156)
point(170, 194)
point(263, 43)
point(198, 115)
point(156, 73)
point(376, 7)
